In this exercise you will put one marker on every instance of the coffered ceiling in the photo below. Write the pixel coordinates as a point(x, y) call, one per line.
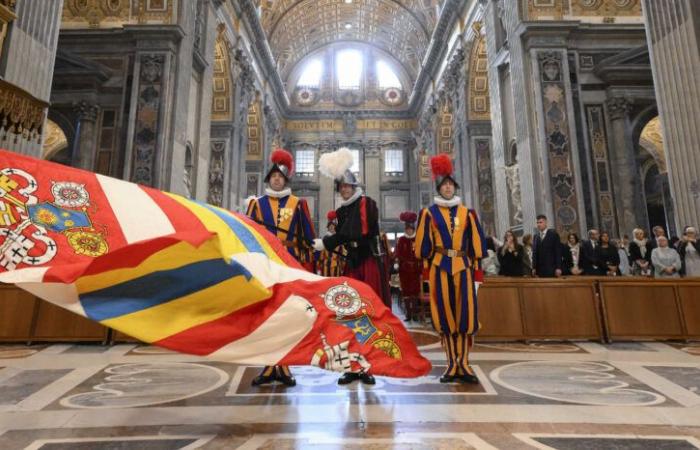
point(296, 28)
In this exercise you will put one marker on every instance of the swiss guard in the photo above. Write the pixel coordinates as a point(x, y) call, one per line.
point(450, 237)
point(357, 231)
point(330, 263)
point(410, 267)
point(286, 216)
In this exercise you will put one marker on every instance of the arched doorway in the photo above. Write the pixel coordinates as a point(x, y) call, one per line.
point(657, 192)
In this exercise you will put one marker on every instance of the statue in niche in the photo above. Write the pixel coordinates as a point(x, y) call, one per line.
point(188, 172)
point(513, 180)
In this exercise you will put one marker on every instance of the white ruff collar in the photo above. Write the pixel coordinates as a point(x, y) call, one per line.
point(454, 201)
point(410, 236)
point(278, 194)
point(358, 193)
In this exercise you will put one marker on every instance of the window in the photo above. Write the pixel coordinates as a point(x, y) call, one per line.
point(349, 69)
point(393, 162)
point(311, 75)
point(304, 163)
point(386, 77)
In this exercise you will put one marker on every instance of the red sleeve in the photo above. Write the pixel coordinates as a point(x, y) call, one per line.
point(363, 216)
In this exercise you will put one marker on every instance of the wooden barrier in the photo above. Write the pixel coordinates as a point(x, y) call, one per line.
point(651, 309)
point(510, 309)
point(526, 308)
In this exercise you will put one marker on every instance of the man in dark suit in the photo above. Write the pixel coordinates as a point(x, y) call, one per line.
point(546, 250)
point(588, 261)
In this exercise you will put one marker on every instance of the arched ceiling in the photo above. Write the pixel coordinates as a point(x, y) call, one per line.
point(296, 28)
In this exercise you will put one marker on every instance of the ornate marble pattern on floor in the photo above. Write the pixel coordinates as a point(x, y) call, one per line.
point(554, 395)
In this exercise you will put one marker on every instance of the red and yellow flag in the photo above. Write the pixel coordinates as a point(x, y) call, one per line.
point(185, 275)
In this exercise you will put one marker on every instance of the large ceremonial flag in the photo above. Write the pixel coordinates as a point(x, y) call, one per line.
point(185, 275)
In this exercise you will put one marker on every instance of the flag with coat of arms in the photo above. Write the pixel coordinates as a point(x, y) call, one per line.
point(185, 275)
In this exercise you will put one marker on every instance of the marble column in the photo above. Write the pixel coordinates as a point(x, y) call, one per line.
point(629, 202)
point(373, 172)
point(673, 30)
point(326, 193)
point(86, 142)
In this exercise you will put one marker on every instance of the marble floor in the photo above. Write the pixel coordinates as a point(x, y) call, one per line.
point(567, 395)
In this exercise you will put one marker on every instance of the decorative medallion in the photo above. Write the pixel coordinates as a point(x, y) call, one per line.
point(87, 243)
point(392, 97)
point(343, 300)
point(305, 96)
point(69, 194)
point(388, 346)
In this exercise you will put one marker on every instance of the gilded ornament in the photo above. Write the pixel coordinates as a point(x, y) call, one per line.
point(87, 243)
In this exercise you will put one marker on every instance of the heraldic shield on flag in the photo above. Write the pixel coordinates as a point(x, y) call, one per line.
point(185, 275)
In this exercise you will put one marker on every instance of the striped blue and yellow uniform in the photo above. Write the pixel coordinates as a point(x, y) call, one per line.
point(289, 219)
point(452, 241)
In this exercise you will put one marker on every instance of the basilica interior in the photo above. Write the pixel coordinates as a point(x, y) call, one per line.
point(586, 111)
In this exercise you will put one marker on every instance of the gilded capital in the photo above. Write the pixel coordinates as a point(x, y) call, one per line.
point(618, 107)
point(86, 110)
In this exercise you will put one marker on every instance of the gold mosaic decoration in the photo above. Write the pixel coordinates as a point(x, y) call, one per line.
point(116, 13)
point(221, 100)
point(479, 101)
point(566, 9)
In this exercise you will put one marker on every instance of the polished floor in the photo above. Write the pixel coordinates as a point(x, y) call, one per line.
point(571, 395)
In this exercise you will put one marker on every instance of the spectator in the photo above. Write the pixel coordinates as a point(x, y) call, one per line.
point(546, 250)
point(589, 263)
point(527, 260)
point(657, 231)
point(624, 258)
point(640, 254)
point(607, 258)
point(511, 256)
point(666, 261)
point(489, 264)
point(572, 255)
point(689, 250)
point(673, 242)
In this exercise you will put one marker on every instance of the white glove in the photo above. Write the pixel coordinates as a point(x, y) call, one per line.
point(318, 245)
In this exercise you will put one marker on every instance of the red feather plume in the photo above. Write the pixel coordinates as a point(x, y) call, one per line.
point(408, 217)
point(332, 215)
point(282, 157)
point(441, 165)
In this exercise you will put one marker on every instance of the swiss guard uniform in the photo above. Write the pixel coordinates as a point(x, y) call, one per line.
point(286, 216)
point(450, 237)
point(358, 232)
point(410, 267)
point(331, 263)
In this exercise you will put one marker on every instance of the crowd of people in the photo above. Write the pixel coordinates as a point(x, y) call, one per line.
point(545, 255)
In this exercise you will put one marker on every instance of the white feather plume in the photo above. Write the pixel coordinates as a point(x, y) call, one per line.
point(334, 164)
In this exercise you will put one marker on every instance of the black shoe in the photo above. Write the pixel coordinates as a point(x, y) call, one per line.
point(367, 378)
point(469, 378)
point(263, 379)
point(448, 378)
point(287, 380)
point(348, 377)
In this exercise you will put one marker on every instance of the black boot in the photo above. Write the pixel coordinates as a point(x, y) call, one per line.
point(469, 378)
point(367, 378)
point(285, 377)
point(448, 378)
point(263, 379)
point(348, 377)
